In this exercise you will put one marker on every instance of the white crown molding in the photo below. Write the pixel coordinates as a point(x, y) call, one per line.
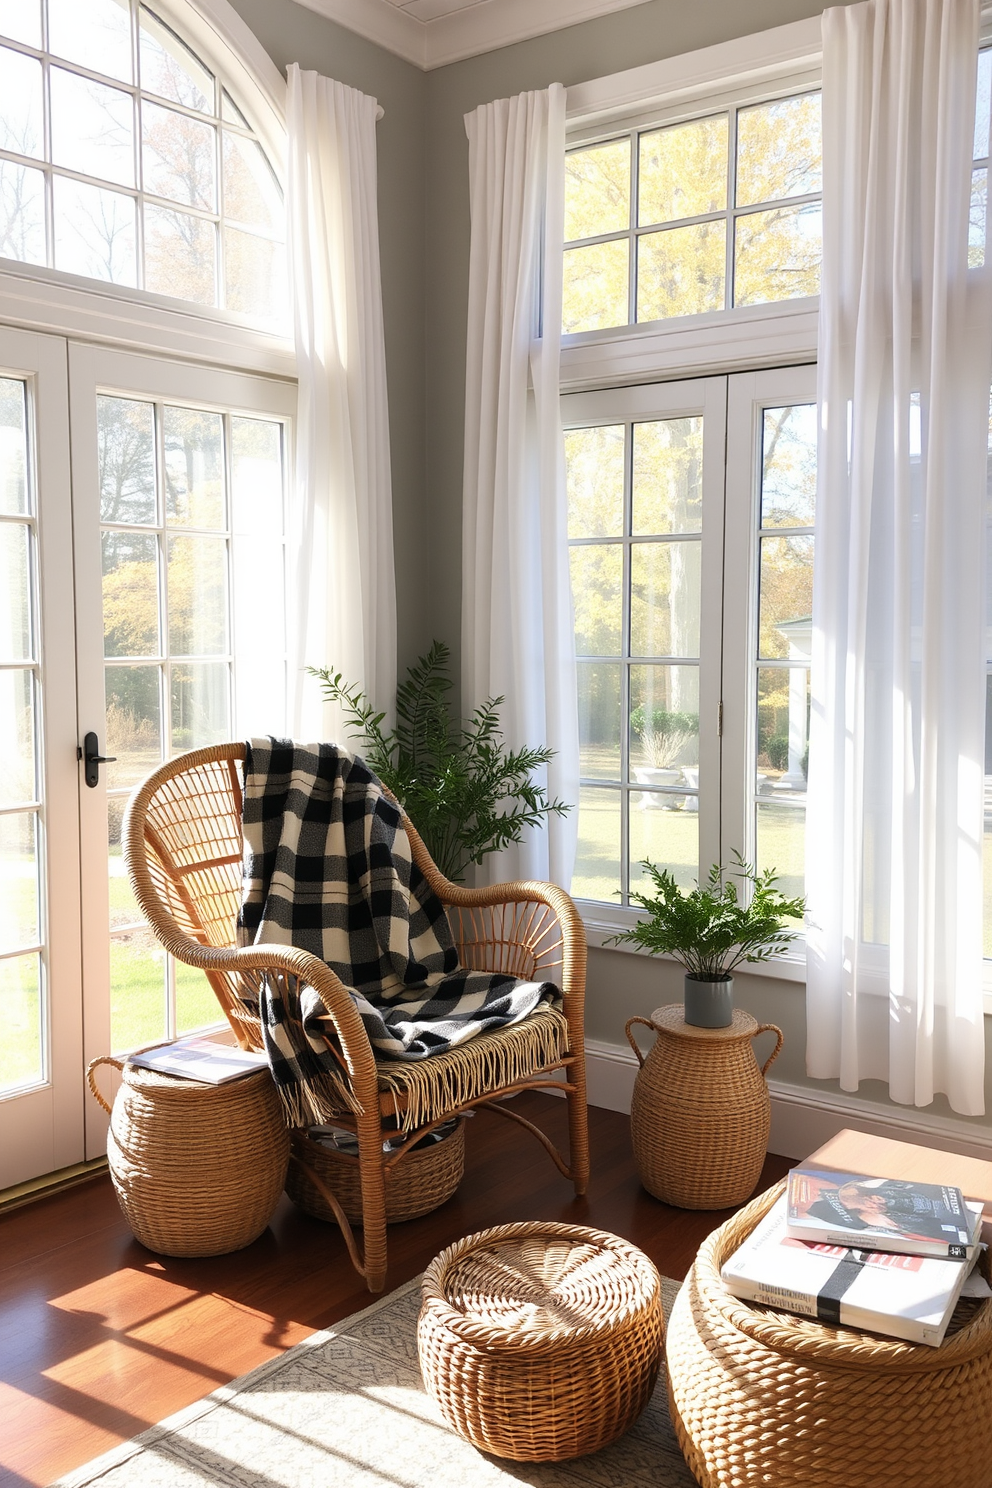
point(498, 23)
point(378, 21)
point(483, 27)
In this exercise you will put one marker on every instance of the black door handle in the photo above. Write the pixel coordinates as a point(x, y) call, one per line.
point(93, 759)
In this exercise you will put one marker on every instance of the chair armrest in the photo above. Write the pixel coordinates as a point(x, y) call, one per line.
point(342, 1015)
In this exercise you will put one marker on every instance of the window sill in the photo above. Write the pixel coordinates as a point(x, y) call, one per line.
point(605, 920)
point(752, 337)
point(43, 300)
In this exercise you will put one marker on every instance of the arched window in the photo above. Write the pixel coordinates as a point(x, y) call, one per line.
point(126, 156)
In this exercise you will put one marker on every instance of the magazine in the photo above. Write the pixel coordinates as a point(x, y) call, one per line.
point(904, 1296)
point(929, 1219)
point(201, 1059)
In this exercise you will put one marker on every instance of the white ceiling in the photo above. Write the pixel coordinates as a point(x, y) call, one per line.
point(434, 32)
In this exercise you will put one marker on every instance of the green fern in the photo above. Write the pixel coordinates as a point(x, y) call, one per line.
point(465, 792)
point(710, 929)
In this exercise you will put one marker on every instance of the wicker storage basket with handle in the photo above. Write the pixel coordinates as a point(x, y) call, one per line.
point(700, 1113)
point(198, 1169)
point(759, 1397)
point(423, 1180)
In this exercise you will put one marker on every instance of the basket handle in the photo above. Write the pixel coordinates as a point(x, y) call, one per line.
point(630, 1038)
point(91, 1076)
point(770, 1028)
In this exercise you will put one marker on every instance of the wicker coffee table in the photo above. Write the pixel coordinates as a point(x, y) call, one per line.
point(759, 1397)
point(540, 1341)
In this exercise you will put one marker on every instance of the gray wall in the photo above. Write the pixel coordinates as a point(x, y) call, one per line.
point(622, 984)
point(291, 33)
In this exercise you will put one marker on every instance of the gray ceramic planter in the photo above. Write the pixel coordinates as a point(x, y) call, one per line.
point(709, 1004)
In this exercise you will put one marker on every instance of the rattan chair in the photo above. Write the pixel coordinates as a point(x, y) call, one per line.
point(183, 850)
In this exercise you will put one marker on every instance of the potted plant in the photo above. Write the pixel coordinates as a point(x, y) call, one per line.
point(663, 736)
point(465, 792)
point(713, 928)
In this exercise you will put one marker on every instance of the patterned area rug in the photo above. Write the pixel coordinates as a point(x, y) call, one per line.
point(347, 1409)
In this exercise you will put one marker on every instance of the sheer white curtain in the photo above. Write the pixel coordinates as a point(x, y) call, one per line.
point(896, 768)
point(517, 638)
point(343, 610)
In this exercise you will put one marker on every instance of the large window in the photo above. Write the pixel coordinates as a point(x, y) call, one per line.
point(644, 496)
point(699, 215)
point(691, 539)
point(691, 502)
point(694, 670)
point(124, 158)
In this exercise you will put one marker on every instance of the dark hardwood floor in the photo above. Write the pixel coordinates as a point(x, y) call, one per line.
point(99, 1338)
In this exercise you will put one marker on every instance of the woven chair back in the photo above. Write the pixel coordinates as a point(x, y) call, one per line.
point(193, 842)
point(188, 816)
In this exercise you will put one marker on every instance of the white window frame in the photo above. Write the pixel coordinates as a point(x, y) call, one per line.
point(43, 299)
point(199, 347)
point(769, 64)
point(661, 400)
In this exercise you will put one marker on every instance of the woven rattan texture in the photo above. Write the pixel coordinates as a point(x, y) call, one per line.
point(700, 1112)
point(420, 1182)
point(759, 1398)
point(198, 1169)
point(540, 1342)
point(183, 849)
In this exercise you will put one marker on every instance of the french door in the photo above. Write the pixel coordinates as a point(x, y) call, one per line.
point(157, 627)
point(41, 1011)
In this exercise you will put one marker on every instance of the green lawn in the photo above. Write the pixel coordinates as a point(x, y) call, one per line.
point(670, 839)
point(138, 977)
point(138, 1010)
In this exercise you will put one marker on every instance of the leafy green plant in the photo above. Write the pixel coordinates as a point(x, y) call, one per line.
point(466, 793)
point(710, 930)
point(663, 734)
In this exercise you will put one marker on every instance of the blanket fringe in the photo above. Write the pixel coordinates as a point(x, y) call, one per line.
point(317, 1101)
point(427, 1090)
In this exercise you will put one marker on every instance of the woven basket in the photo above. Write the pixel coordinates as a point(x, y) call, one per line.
point(700, 1113)
point(758, 1397)
point(540, 1341)
point(198, 1169)
point(420, 1182)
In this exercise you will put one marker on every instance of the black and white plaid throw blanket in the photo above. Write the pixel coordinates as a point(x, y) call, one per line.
point(328, 870)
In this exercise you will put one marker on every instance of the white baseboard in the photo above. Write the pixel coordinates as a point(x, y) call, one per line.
point(802, 1118)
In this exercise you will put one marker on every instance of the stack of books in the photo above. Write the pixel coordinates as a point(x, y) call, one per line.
point(877, 1254)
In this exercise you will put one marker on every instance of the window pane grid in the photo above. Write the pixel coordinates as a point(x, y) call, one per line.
point(173, 467)
point(94, 210)
point(786, 493)
point(24, 1056)
point(673, 266)
point(639, 743)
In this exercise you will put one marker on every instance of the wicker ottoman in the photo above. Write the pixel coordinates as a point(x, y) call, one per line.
point(198, 1169)
point(540, 1341)
point(759, 1397)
